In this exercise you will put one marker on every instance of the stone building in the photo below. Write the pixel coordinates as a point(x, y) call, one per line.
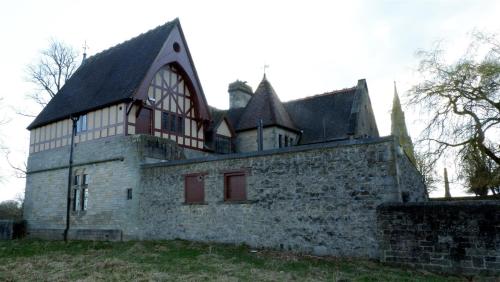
point(152, 160)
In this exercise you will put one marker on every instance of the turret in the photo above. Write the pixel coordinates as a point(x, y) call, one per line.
point(239, 94)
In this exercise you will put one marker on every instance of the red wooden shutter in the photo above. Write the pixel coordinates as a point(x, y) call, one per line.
point(194, 189)
point(235, 186)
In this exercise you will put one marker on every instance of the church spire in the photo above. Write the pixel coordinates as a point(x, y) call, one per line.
point(398, 126)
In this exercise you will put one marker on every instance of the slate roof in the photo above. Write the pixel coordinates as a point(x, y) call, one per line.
point(107, 77)
point(265, 105)
point(217, 116)
point(323, 117)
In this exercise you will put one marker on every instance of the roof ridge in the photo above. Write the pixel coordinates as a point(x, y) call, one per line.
point(93, 57)
point(323, 94)
point(272, 100)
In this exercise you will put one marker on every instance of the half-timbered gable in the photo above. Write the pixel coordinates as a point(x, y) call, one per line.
point(174, 107)
point(146, 85)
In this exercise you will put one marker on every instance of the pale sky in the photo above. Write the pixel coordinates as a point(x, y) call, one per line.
point(311, 47)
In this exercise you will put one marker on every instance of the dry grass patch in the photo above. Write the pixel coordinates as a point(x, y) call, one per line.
point(26, 260)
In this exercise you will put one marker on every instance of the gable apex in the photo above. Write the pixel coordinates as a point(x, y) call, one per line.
point(117, 74)
point(175, 51)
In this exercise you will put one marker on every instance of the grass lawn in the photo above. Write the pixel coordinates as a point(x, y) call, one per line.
point(26, 260)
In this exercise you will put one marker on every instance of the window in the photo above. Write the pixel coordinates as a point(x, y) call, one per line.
point(85, 191)
point(234, 186)
point(172, 123)
point(194, 189)
point(222, 144)
point(129, 194)
point(80, 191)
point(286, 141)
point(85, 197)
point(164, 121)
point(280, 140)
point(76, 196)
point(81, 124)
point(180, 125)
point(291, 141)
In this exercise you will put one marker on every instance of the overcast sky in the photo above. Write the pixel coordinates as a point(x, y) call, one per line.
point(311, 47)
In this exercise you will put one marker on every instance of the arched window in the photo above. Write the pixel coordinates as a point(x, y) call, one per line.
point(170, 96)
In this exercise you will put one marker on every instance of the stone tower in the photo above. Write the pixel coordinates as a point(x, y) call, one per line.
point(239, 94)
point(398, 126)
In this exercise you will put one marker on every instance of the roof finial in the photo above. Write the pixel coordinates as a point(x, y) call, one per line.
point(265, 67)
point(85, 47)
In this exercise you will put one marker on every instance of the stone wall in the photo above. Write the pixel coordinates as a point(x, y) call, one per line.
point(318, 198)
point(246, 141)
point(455, 237)
point(112, 165)
point(408, 178)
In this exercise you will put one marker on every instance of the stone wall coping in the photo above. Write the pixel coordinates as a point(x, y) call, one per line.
point(120, 158)
point(439, 204)
point(301, 148)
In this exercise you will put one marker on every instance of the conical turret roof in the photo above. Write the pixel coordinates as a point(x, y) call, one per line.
point(265, 105)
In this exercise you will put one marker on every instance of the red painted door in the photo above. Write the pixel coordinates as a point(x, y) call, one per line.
point(144, 124)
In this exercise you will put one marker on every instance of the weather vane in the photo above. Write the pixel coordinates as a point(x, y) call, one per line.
point(265, 67)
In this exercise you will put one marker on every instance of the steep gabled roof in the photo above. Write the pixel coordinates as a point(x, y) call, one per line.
point(217, 117)
point(265, 105)
point(323, 117)
point(107, 77)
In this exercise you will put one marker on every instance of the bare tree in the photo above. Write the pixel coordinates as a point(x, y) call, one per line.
point(480, 173)
point(55, 66)
point(425, 165)
point(19, 170)
point(461, 99)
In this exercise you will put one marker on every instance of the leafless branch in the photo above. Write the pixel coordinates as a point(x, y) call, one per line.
point(56, 65)
point(19, 172)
